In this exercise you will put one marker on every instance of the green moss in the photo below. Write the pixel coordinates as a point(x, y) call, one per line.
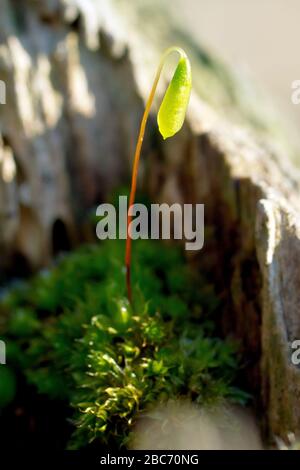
point(7, 386)
point(77, 338)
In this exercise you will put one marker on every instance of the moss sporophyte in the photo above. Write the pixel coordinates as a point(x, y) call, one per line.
point(170, 119)
point(71, 334)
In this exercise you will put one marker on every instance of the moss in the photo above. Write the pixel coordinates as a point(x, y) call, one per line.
point(77, 338)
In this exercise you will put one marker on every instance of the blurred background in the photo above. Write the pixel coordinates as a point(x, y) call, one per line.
point(259, 36)
point(72, 88)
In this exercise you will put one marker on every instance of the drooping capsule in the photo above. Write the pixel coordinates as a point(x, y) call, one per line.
point(173, 108)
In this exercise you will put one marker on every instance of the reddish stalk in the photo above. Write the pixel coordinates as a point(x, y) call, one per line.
point(136, 165)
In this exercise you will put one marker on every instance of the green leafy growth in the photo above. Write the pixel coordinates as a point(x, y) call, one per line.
point(74, 333)
point(173, 108)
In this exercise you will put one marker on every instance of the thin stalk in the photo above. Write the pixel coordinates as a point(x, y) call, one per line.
point(137, 160)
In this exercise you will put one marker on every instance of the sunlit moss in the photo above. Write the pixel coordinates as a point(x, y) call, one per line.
point(85, 345)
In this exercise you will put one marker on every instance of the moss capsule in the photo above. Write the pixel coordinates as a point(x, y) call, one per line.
point(172, 111)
